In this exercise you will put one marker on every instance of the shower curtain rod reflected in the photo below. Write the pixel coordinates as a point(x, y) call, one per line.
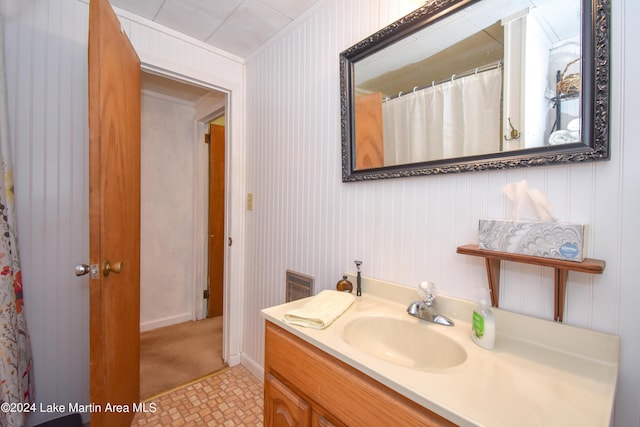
point(453, 77)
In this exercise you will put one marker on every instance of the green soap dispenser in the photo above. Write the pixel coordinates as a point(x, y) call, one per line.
point(483, 325)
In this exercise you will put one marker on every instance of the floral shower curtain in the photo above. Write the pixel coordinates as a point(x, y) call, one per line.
point(15, 349)
point(460, 117)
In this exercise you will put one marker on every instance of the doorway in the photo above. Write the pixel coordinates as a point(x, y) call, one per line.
point(178, 336)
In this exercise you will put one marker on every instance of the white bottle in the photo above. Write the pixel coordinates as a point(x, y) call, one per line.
point(483, 325)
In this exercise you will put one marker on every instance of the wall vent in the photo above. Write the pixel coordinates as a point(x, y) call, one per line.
point(298, 286)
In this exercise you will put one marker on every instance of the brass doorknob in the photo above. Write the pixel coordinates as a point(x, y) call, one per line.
point(108, 268)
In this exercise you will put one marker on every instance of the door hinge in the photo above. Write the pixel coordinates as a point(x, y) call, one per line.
point(205, 294)
point(207, 138)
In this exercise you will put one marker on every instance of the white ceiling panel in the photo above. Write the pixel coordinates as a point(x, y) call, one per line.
point(145, 8)
point(250, 26)
point(196, 18)
point(236, 26)
point(290, 8)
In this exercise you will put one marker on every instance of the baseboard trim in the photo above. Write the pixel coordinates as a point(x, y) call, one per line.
point(167, 321)
point(252, 366)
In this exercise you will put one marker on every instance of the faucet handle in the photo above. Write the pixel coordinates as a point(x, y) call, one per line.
point(427, 292)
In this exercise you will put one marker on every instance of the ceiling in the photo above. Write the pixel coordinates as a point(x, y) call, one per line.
point(236, 26)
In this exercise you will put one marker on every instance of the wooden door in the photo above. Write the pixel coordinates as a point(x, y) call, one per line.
point(369, 131)
point(216, 219)
point(114, 209)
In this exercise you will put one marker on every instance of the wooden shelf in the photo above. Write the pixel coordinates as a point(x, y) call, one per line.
point(492, 262)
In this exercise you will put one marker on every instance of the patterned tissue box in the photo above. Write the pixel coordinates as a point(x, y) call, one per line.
point(543, 239)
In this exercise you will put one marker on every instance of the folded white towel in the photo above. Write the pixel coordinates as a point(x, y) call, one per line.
point(321, 310)
point(574, 125)
point(563, 137)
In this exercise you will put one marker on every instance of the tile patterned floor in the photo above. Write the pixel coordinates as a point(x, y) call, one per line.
point(232, 397)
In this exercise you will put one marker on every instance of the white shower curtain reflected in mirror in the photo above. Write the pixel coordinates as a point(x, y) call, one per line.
point(460, 117)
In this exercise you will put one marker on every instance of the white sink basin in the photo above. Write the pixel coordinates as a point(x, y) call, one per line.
point(406, 343)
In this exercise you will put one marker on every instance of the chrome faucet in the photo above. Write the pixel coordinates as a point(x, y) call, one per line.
point(424, 309)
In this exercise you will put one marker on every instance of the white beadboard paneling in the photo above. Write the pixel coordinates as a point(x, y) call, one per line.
point(558, 195)
point(47, 81)
point(46, 55)
point(404, 230)
point(627, 269)
point(316, 225)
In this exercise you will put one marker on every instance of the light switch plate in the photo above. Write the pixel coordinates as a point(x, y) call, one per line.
point(249, 201)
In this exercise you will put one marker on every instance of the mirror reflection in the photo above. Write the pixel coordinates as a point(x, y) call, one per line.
point(496, 76)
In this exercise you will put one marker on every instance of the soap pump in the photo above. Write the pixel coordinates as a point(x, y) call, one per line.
point(358, 279)
point(483, 326)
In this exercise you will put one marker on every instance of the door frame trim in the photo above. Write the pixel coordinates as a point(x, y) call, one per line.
point(234, 204)
point(201, 222)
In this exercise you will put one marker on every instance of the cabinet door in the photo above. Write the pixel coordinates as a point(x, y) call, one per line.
point(282, 407)
point(318, 420)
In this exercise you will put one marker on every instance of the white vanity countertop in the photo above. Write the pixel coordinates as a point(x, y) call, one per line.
point(540, 373)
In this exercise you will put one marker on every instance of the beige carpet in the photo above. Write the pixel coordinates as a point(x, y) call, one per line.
point(177, 354)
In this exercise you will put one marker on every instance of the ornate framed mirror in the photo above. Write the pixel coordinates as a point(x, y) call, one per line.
point(472, 85)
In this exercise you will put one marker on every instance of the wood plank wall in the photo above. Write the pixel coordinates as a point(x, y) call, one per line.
point(404, 230)
point(47, 74)
point(304, 218)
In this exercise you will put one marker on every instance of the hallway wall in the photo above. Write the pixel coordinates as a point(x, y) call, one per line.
point(166, 210)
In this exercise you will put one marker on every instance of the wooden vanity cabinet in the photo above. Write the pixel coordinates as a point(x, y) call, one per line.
point(284, 408)
point(304, 386)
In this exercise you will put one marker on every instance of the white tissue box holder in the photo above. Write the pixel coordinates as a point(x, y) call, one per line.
point(556, 240)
